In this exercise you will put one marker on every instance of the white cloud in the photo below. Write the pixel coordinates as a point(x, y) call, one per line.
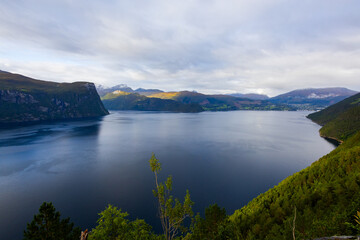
point(213, 46)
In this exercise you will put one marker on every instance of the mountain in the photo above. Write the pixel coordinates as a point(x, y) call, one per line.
point(147, 92)
point(313, 98)
point(253, 96)
point(120, 100)
point(220, 102)
point(325, 196)
point(102, 90)
point(23, 99)
point(339, 120)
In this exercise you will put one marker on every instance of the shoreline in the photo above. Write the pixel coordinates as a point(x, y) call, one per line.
point(332, 140)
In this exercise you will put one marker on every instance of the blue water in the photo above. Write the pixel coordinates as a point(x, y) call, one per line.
point(81, 166)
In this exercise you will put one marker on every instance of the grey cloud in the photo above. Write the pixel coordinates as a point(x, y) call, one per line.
point(213, 46)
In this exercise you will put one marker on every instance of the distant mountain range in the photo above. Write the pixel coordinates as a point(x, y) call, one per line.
point(157, 100)
point(313, 98)
point(302, 99)
point(102, 91)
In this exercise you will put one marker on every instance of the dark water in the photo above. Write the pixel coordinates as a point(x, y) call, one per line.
point(223, 157)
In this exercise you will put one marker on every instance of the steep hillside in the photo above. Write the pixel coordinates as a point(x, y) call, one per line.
point(340, 120)
point(313, 98)
point(220, 102)
point(23, 99)
point(325, 195)
point(119, 100)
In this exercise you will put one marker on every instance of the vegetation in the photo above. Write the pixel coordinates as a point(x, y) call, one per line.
point(133, 101)
point(214, 226)
point(47, 225)
point(113, 225)
point(326, 196)
point(171, 211)
point(340, 120)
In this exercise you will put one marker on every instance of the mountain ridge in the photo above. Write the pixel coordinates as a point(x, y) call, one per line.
point(313, 98)
point(300, 99)
point(24, 99)
point(120, 100)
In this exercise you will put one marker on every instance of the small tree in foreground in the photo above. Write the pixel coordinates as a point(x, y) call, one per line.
point(113, 225)
point(171, 211)
point(47, 226)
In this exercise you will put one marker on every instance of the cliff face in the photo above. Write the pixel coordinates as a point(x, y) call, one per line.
point(24, 99)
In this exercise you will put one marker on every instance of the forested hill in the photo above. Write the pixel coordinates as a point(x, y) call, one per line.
point(340, 120)
point(326, 195)
point(120, 100)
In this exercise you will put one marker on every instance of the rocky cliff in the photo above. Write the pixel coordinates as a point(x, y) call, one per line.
point(24, 99)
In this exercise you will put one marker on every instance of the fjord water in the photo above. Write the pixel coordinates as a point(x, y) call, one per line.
point(81, 166)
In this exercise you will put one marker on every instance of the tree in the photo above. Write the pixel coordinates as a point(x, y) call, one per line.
point(113, 225)
point(214, 226)
point(171, 211)
point(47, 226)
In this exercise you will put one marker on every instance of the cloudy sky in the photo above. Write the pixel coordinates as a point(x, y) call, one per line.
point(211, 46)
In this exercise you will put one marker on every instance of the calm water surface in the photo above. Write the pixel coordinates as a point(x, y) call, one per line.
point(223, 157)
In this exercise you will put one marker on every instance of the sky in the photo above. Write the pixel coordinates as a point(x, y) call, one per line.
point(210, 46)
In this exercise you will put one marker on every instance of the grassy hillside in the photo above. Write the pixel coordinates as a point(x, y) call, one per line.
point(340, 120)
point(119, 100)
point(326, 196)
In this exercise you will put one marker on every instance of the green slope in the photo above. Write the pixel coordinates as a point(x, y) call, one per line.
point(340, 120)
point(133, 101)
point(326, 196)
point(23, 99)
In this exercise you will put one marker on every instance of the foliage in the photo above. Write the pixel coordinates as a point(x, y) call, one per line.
point(171, 211)
point(357, 217)
point(215, 225)
point(340, 120)
point(356, 224)
point(326, 195)
point(113, 225)
point(47, 226)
